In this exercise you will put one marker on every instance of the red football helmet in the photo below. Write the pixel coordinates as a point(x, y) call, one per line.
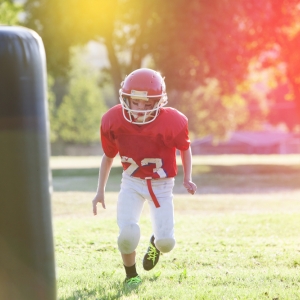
point(143, 84)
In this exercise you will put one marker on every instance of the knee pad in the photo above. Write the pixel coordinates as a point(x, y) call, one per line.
point(165, 245)
point(129, 238)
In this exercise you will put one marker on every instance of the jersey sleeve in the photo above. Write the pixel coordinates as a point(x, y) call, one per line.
point(108, 141)
point(178, 133)
point(181, 140)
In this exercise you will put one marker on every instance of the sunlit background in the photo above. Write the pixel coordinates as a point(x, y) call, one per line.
point(233, 67)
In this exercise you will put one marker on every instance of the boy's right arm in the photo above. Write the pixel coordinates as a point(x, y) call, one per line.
point(105, 167)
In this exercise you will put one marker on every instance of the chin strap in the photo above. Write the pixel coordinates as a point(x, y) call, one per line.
point(156, 203)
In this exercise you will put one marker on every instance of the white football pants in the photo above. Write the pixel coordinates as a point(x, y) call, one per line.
point(133, 194)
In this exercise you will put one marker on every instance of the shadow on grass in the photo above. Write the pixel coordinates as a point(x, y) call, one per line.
point(115, 291)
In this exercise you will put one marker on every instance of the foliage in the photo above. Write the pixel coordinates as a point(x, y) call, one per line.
point(190, 42)
point(51, 108)
point(210, 111)
point(9, 12)
point(272, 36)
point(63, 24)
point(135, 29)
point(77, 118)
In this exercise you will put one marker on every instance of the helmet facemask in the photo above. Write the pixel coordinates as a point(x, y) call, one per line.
point(137, 116)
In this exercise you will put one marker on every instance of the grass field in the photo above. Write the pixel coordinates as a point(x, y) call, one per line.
point(237, 238)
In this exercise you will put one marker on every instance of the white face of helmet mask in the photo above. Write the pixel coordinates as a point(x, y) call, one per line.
point(140, 117)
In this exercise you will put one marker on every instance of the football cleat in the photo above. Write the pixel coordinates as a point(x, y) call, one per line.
point(133, 280)
point(152, 256)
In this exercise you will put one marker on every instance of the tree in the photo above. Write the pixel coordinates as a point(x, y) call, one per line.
point(183, 38)
point(9, 12)
point(199, 40)
point(278, 34)
point(190, 42)
point(77, 119)
point(63, 24)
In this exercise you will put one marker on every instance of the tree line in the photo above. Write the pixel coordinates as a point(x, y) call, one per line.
point(220, 58)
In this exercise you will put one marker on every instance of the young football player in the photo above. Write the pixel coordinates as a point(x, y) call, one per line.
point(146, 135)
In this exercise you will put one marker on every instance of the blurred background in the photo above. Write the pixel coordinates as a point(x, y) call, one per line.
point(232, 67)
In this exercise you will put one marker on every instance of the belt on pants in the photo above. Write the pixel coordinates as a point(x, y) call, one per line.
point(149, 185)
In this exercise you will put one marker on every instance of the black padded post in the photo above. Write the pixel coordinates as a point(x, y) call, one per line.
point(27, 267)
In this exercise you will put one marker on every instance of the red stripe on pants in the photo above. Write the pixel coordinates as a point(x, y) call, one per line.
point(152, 193)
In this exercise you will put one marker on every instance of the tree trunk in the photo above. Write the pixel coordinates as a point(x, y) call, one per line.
point(292, 57)
point(296, 91)
point(115, 69)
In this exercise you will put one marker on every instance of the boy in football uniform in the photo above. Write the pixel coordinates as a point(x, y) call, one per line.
point(146, 135)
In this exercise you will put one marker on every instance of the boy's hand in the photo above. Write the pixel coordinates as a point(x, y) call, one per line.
point(190, 186)
point(100, 199)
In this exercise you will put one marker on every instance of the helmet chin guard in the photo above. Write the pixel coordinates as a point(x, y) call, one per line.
point(143, 84)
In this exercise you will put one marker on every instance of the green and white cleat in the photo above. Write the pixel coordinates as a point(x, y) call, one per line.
point(152, 256)
point(133, 281)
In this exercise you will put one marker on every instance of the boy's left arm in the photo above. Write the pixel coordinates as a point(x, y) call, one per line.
point(186, 158)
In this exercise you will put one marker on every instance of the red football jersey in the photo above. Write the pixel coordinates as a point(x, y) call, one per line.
point(147, 150)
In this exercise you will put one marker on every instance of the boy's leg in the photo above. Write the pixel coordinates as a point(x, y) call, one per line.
point(129, 208)
point(162, 223)
point(128, 259)
point(162, 218)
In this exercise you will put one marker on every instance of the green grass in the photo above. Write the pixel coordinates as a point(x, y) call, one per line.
point(237, 238)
